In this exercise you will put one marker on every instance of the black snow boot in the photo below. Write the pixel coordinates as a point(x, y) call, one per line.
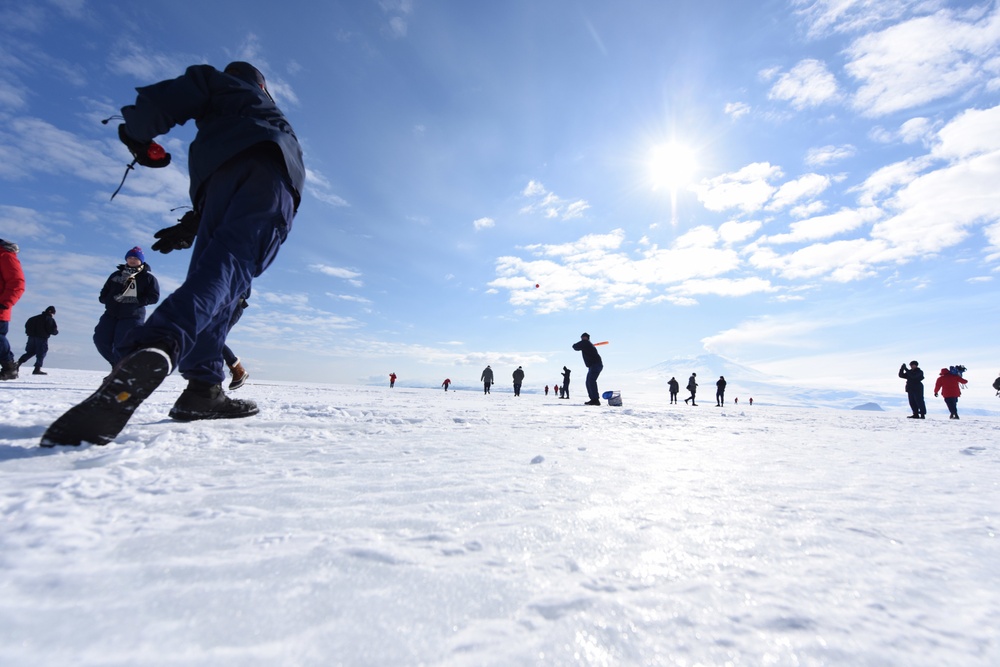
point(101, 417)
point(9, 370)
point(202, 400)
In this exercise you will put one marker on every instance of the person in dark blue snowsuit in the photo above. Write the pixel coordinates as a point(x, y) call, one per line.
point(247, 177)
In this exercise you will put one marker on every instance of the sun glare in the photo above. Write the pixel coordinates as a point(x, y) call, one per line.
point(672, 166)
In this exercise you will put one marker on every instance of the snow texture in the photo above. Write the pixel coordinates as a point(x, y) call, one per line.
point(353, 525)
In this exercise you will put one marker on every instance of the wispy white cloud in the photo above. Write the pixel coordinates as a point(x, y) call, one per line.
point(824, 155)
point(350, 275)
point(921, 60)
point(747, 189)
point(808, 84)
point(549, 204)
point(483, 223)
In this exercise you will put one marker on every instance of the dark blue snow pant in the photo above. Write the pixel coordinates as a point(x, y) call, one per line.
point(247, 207)
point(592, 373)
point(952, 403)
point(37, 347)
point(5, 353)
point(109, 336)
point(917, 404)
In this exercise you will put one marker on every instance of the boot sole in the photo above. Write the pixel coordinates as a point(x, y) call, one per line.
point(101, 417)
point(182, 416)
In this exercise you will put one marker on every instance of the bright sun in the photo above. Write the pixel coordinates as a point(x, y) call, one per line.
point(672, 166)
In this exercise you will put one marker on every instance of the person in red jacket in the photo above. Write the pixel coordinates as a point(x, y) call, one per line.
point(11, 289)
point(949, 385)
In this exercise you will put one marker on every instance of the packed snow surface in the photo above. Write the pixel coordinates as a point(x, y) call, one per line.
point(367, 526)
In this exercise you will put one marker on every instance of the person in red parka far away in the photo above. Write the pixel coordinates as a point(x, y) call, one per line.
point(11, 289)
point(445, 384)
point(949, 386)
point(392, 380)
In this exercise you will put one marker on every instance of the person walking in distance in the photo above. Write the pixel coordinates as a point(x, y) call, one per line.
point(949, 385)
point(446, 383)
point(11, 289)
point(564, 390)
point(487, 379)
point(720, 392)
point(592, 360)
point(392, 380)
point(39, 328)
point(914, 389)
point(518, 376)
point(247, 176)
point(692, 386)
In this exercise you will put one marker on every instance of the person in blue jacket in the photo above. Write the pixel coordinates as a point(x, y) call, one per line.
point(247, 176)
point(125, 295)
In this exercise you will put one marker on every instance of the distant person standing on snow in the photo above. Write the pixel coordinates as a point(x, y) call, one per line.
point(692, 387)
point(720, 392)
point(447, 381)
point(487, 379)
point(39, 328)
point(914, 389)
point(592, 360)
point(949, 386)
point(546, 390)
point(518, 379)
point(564, 390)
point(675, 387)
point(392, 380)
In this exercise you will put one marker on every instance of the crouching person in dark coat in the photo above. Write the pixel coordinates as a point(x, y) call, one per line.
point(247, 176)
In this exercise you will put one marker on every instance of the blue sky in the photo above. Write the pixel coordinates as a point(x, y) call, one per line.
point(808, 188)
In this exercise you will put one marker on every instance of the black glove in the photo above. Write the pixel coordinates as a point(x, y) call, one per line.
point(179, 236)
point(146, 153)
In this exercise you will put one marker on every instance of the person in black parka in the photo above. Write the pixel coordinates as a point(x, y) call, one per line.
point(720, 392)
point(39, 328)
point(692, 386)
point(592, 360)
point(675, 387)
point(518, 376)
point(914, 389)
point(125, 295)
point(564, 390)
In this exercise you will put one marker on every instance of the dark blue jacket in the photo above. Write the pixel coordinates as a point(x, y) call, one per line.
point(231, 114)
point(147, 290)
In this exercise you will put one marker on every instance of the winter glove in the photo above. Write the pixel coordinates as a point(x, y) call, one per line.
point(180, 236)
point(146, 153)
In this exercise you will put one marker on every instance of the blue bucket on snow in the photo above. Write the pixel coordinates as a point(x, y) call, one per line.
point(612, 397)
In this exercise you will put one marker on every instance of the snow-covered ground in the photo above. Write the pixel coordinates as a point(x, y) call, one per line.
point(362, 526)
